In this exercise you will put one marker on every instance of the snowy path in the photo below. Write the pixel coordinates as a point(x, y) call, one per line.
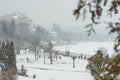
point(56, 69)
point(57, 75)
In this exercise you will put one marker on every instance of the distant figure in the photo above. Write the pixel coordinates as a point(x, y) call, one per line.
point(59, 57)
point(56, 57)
point(27, 59)
point(87, 67)
point(78, 57)
point(34, 76)
point(81, 57)
point(22, 67)
point(84, 58)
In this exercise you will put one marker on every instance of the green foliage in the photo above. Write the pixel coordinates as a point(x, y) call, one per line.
point(113, 67)
point(97, 65)
point(104, 68)
point(7, 54)
point(7, 61)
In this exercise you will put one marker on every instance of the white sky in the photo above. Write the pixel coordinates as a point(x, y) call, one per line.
point(46, 12)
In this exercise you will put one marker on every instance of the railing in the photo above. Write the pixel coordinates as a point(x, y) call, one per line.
point(78, 55)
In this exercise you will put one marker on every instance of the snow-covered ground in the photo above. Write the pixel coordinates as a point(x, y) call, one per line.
point(88, 48)
point(61, 69)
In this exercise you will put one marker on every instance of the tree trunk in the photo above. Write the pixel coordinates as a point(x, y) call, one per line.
point(35, 53)
point(18, 50)
point(73, 63)
point(44, 59)
point(51, 61)
point(25, 51)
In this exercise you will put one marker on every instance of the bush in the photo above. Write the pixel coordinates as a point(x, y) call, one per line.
point(97, 64)
point(104, 68)
point(8, 61)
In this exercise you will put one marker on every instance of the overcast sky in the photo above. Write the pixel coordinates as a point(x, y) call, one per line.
point(46, 12)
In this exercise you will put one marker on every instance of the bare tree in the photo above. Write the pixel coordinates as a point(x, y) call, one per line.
point(50, 46)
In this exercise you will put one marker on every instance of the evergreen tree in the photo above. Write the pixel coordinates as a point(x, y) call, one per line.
point(11, 55)
point(8, 59)
point(98, 66)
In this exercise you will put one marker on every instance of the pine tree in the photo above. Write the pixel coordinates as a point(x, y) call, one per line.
point(8, 58)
